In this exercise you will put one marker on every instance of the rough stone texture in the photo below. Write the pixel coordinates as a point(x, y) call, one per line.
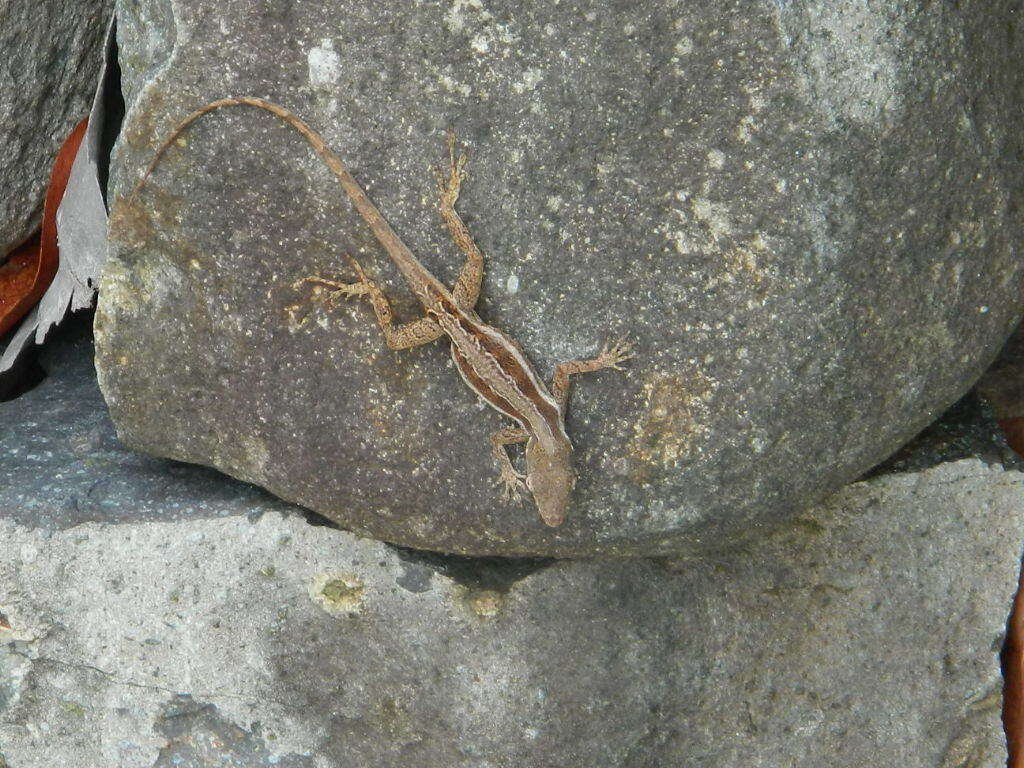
point(52, 51)
point(865, 632)
point(804, 215)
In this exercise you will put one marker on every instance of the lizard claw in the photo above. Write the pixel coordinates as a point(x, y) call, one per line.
point(456, 166)
point(613, 353)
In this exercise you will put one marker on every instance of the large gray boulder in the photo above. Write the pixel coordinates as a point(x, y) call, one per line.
point(864, 633)
point(806, 217)
point(52, 51)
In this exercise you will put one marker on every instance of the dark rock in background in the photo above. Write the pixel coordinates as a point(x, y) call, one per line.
point(1002, 386)
point(806, 217)
point(51, 57)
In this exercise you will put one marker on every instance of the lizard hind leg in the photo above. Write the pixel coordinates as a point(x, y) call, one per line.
point(362, 287)
point(451, 182)
point(334, 288)
point(412, 334)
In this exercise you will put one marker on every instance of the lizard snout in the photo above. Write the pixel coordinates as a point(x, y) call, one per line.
point(550, 478)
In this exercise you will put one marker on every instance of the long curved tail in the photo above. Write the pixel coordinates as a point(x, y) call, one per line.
point(399, 252)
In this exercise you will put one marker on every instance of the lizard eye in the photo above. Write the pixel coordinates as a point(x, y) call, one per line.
point(529, 482)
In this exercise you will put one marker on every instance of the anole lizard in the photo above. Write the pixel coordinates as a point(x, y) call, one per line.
point(491, 363)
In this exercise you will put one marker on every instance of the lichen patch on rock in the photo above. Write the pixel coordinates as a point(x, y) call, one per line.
point(338, 593)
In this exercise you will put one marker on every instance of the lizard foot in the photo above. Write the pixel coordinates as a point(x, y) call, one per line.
point(514, 483)
point(335, 288)
point(613, 353)
point(450, 181)
point(338, 289)
point(334, 291)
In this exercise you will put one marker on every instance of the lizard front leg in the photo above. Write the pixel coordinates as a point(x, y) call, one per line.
point(405, 336)
point(512, 480)
point(467, 286)
point(609, 357)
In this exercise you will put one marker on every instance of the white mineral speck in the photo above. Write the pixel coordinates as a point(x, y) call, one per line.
point(454, 86)
point(684, 46)
point(745, 128)
point(531, 78)
point(28, 553)
point(324, 64)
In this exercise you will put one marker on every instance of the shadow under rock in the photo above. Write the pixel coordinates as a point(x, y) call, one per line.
point(968, 429)
point(61, 463)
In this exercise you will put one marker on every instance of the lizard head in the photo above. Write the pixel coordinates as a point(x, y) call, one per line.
point(550, 477)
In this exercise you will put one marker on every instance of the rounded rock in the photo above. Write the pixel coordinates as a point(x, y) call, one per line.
point(805, 218)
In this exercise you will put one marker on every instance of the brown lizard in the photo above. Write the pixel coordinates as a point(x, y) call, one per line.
point(491, 363)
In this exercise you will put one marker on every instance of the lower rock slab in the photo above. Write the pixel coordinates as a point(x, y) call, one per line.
point(864, 633)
